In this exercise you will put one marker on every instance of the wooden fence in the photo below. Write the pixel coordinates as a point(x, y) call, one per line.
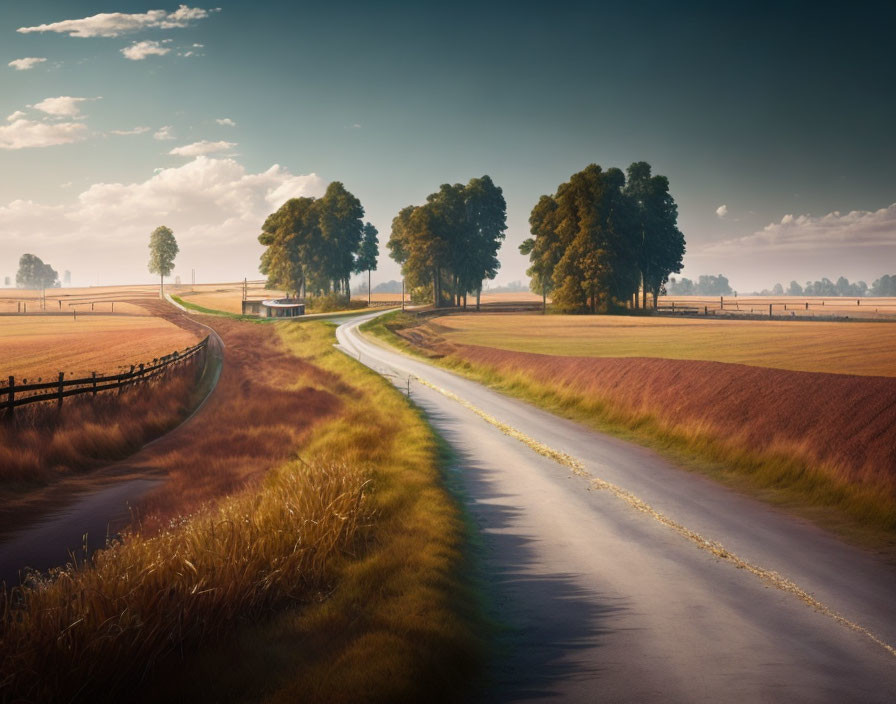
point(15, 395)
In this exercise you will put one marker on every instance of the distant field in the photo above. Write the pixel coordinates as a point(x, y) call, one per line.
point(794, 306)
point(845, 348)
point(80, 299)
point(42, 346)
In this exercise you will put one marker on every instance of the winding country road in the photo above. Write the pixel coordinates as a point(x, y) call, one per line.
point(620, 577)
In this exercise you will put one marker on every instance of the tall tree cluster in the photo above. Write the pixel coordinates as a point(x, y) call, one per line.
point(314, 244)
point(602, 238)
point(450, 243)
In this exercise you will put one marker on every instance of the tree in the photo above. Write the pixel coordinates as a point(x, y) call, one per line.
point(795, 289)
point(33, 273)
point(162, 251)
point(312, 244)
point(778, 290)
point(884, 286)
point(661, 244)
point(368, 253)
point(449, 244)
point(290, 234)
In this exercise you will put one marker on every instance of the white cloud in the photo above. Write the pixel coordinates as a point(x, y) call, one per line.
point(215, 207)
point(17, 115)
point(202, 148)
point(858, 228)
point(226, 121)
point(112, 24)
point(133, 130)
point(63, 106)
point(140, 50)
point(21, 133)
point(164, 133)
point(26, 63)
point(722, 211)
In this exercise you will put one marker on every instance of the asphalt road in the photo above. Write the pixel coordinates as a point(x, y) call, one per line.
point(619, 577)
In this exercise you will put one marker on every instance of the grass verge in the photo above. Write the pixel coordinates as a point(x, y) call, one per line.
point(337, 579)
point(864, 511)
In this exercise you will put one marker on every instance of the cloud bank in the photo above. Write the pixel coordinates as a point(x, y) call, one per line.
point(858, 228)
point(215, 207)
point(860, 244)
point(113, 24)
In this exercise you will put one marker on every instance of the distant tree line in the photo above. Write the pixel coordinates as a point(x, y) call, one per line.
point(884, 286)
point(601, 239)
point(703, 286)
point(449, 245)
point(512, 287)
point(315, 244)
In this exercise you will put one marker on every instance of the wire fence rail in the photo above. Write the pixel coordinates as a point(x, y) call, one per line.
point(13, 395)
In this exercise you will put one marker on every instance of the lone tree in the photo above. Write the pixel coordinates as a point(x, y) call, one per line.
point(367, 255)
point(33, 273)
point(162, 251)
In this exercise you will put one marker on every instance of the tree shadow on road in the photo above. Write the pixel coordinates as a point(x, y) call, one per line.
point(541, 619)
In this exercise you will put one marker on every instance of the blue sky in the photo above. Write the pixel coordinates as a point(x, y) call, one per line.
point(773, 121)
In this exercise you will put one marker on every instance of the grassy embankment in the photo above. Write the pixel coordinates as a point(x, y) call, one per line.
point(336, 578)
point(786, 452)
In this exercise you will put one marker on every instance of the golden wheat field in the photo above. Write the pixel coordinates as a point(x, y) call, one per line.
point(34, 346)
point(834, 347)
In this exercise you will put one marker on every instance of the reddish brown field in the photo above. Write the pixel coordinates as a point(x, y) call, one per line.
point(835, 419)
point(260, 412)
point(810, 438)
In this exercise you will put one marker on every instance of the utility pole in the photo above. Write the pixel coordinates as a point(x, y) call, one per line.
point(193, 278)
point(402, 293)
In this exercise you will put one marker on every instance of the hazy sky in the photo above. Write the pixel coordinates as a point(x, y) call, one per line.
point(775, 123)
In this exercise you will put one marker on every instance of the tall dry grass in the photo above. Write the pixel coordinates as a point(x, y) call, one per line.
point(42, 443)
point(336, 577)
point(93, 631)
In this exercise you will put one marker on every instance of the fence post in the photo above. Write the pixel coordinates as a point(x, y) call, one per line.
point(769, 310)
point(11, 394)
point(93, 374)
point(61, 377)
point(141, 372)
